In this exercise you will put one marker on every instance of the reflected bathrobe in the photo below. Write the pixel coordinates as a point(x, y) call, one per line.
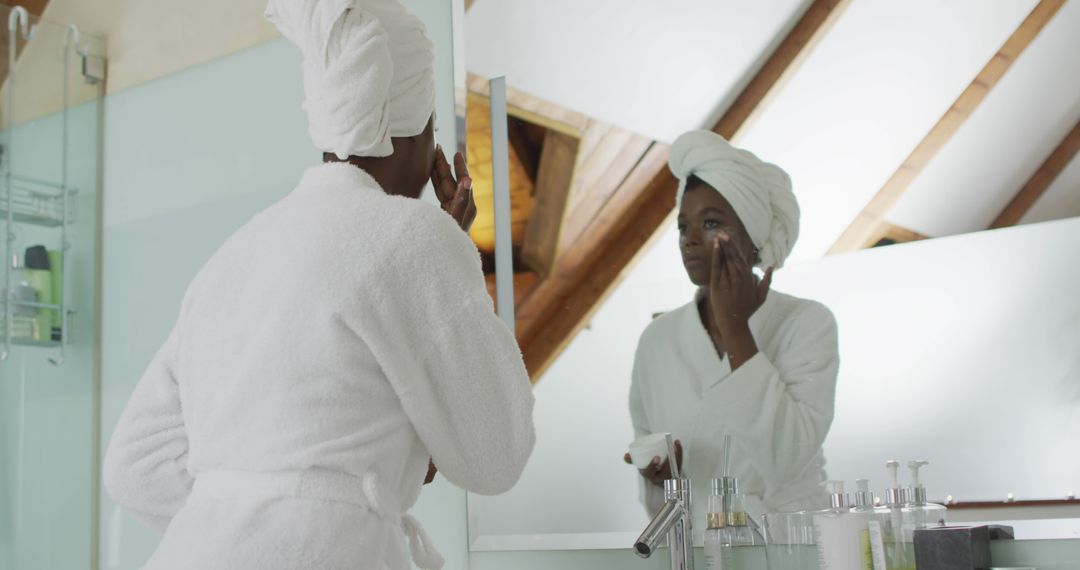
point(777, 406)
point(331, 345)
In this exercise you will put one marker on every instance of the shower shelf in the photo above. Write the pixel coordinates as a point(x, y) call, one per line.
point(39, 203)
point(16, 341)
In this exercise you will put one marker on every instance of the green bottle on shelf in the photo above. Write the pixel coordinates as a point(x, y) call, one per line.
point(36, 273)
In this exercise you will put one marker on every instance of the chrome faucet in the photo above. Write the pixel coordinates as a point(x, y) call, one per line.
point(673, 520)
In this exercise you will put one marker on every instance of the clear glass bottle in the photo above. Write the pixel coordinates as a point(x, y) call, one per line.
point(899, 550)
point(739, 529)
point(716, 531)
point(923, 514)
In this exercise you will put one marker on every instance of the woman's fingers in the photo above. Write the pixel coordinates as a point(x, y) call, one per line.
point(459, 206)
point(470, 211)
point(732, 254)
point(717, 261)
point(461, 167)
point(447, 185)
point(626, 459)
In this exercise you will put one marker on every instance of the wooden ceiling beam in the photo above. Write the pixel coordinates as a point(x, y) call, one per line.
point(786, 58)
point(598, 259)
point(1043, 177)
point(861, 231)
point(894, 234)
point(553, 181)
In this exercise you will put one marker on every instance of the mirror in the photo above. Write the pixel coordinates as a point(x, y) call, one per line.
point(937, 248)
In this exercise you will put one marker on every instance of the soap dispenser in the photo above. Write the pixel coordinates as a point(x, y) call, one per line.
point(717, 537)
point(923, 513)
point(900, 552)
point(738, 521)
point(839, 532)
point(872, 539)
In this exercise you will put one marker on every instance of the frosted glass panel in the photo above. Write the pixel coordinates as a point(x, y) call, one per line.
point(47, 412)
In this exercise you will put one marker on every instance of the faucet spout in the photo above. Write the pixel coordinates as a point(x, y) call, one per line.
point(673, 520)
point(658, 528)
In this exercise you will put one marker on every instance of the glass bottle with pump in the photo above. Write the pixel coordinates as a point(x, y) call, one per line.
point(874, 528)
point(899, 551)
point(716, 531)
point(923, 514)
point(738, 528)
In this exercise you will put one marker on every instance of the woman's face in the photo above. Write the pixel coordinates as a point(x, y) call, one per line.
point(703, 216)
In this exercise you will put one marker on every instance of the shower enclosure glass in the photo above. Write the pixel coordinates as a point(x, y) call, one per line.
point(50, 103)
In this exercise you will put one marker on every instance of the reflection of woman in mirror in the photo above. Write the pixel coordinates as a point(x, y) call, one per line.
point(739, 359)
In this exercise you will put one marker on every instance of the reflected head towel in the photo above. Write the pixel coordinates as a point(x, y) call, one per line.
point(759, 192)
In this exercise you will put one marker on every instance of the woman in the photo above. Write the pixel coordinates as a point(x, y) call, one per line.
point(739, 359)
point(338, 346)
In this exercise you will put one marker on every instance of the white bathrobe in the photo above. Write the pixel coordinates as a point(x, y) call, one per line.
point(777, 406)
point(330, 346)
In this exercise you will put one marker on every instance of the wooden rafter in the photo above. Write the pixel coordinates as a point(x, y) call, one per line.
point(597, 259)
point(865, 226)
point(812, 26)
point(892, 234)
point(1041, 180)
point(554, 178)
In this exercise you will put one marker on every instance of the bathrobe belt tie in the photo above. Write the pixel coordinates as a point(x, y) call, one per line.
point(329, 485)
point(424, 553)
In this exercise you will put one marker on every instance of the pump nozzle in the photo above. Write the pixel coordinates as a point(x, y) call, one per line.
point(893, 465)
point(892, 494)
point(919, 490)
point(727, 455)
point(915, 466)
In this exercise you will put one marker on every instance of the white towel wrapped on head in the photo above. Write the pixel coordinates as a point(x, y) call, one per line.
point(759, 192)
point(368, 71)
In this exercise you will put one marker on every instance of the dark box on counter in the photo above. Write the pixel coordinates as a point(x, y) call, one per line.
point(957, 547)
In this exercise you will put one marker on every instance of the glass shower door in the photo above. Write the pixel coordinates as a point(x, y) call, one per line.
point(49, 187)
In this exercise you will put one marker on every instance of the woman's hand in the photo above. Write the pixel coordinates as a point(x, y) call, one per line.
point(734, 295)
point(454, 193)
point(431, 471)
point(733, 290)
point(657, 472)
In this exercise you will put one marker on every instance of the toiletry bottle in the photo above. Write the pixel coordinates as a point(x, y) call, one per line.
point(56, 267)
point(872, 536)
point(36, 273)
point(739, 531)
point(716, 535)
point(900, 552)
point(923, 513)
point(23, 318)
point(839, 532)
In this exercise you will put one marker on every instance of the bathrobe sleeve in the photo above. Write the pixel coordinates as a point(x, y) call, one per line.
point(779, 412)
point(455, 366)
point(651, 496)
point(145, 467)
